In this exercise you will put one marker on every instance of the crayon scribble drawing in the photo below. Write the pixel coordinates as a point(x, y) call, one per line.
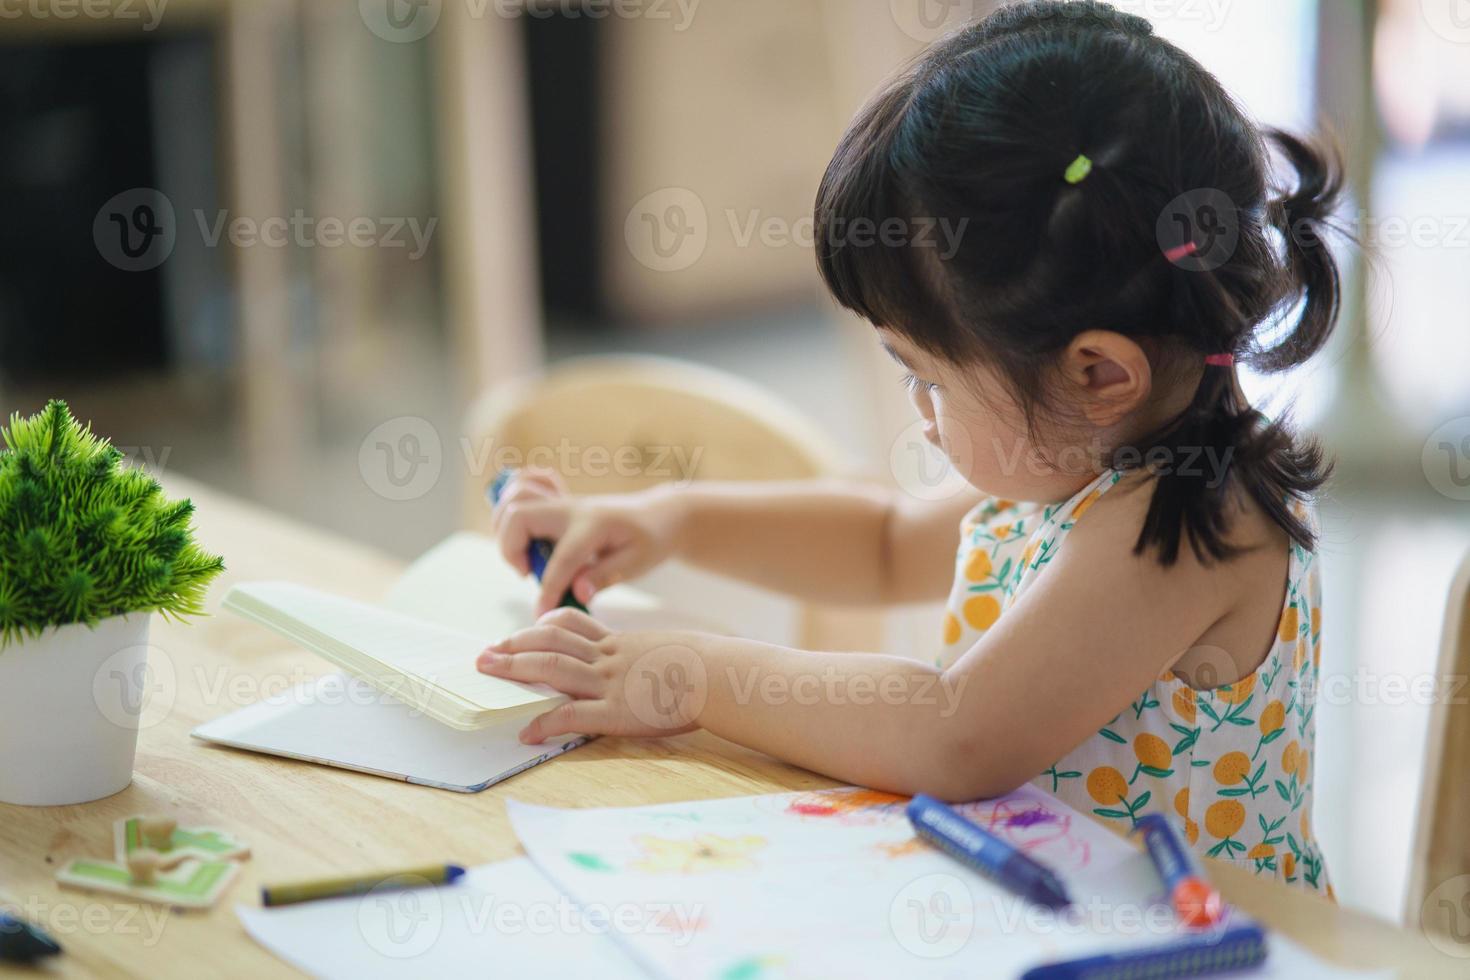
point(1045, 831)
point(848, 807)
point(697, 855)
point(813, 876)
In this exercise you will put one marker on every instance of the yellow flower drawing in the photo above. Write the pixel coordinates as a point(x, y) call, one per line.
point(705, 853)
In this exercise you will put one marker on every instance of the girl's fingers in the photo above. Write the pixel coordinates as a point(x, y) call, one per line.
point(607, 570)
point(521, 522)
point(548, 638)
point(573, 717)
point(575, 621)
point(524, 486)
point(572, 553)
point(544, 476)
point(565, 673)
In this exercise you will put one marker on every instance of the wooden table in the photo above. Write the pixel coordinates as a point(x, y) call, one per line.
point(302, 819)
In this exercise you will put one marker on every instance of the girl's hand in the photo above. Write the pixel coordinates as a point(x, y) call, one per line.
point(644, 683)
point(599, 540)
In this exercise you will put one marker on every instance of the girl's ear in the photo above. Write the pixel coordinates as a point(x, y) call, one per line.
point(1111, 374)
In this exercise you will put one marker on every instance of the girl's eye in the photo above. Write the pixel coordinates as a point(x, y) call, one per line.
point(912, 383)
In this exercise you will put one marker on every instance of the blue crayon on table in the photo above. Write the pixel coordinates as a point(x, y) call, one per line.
point(1195, 901)
point(539, 551)
point(21, 942)
point(1239, 947)
point(982, 851)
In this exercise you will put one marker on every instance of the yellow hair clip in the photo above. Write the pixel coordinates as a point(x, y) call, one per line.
point(1078, 170)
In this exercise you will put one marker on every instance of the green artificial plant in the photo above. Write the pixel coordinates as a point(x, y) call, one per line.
point(84, 536)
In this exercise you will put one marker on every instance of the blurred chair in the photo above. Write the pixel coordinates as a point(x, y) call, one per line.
point(624, 423)
point(1441, 846)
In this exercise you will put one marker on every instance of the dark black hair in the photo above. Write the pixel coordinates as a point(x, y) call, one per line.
point(1176, 234)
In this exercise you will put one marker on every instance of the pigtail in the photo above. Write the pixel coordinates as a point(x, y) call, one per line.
point(1303, 217)
point(1216, 449)
point(1234, 448)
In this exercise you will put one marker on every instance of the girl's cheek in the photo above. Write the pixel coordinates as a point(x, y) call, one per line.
point(923, 403)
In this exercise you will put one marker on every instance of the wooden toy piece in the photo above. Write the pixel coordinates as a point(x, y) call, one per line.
point(143, 866)
point(158, 832)
point(193, 884)
point(133, 834)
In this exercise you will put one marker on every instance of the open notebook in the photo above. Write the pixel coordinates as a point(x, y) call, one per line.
point(420, 645)
point(415, 709)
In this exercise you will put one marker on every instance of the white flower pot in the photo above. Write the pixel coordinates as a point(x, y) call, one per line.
point(69, 706)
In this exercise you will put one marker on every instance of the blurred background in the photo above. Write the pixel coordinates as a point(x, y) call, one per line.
point(259, 242)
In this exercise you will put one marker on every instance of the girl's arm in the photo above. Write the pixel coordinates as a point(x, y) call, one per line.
point(1083, 643)
point(823, 541)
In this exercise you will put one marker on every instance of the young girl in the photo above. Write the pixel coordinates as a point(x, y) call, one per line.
point(1146, 639)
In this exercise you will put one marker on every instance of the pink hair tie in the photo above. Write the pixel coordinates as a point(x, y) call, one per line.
point(1181, 251)
point(1220, 360)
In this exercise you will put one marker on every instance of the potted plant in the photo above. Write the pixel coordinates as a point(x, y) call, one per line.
point(89, 548)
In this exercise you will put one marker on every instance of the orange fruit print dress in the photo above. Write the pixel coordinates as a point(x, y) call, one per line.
point(1230, 767)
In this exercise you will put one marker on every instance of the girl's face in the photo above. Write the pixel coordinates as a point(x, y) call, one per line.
point(970, 416)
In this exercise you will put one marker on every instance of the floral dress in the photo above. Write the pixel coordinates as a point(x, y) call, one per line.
point(1231, 767)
